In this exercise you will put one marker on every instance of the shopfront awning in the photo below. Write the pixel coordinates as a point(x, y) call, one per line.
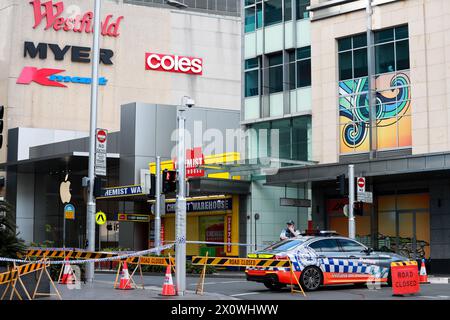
point(254, 168)
point(417, 165)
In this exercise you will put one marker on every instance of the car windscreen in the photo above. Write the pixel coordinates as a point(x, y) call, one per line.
point(284, 245)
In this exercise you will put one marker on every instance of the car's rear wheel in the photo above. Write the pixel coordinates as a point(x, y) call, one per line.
point(311, 278)
point(273, 286)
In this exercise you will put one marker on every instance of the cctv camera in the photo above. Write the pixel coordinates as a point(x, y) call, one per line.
point(189, 102)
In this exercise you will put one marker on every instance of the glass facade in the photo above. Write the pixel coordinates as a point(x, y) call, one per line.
point(300, 68)
point(274, 12)
point(225, 7)
point(293, 138)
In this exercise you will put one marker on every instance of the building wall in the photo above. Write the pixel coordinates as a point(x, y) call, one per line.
point(214, 38)
point(428, 43)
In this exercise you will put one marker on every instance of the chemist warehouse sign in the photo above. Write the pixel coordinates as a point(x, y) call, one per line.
point(51, 16)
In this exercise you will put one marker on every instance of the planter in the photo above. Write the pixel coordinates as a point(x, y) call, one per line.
point(29, 281)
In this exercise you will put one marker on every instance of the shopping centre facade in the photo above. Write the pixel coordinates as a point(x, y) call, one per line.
point(151, 56)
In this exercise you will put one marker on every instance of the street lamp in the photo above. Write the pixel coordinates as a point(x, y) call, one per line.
point(180, 218)
point(91, 206)
point(176, 4)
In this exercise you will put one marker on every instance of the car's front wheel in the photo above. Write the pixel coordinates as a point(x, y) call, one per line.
point(311, 278)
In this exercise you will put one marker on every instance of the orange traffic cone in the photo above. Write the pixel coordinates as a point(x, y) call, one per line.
point(125, 279)
point(423, 277)
point(168, 287)
point(67, 277)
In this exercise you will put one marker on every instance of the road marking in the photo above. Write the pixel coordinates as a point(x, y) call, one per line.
point(223, 282)
point(435, 297)
point(243, 294)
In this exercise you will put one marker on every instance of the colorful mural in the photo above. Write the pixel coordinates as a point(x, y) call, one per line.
point(393, 113)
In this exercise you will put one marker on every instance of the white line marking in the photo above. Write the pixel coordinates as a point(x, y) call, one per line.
point(243, 294)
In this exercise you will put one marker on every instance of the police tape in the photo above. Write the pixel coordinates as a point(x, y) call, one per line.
point(118, 257)
point(226, 243)
point(240, 262)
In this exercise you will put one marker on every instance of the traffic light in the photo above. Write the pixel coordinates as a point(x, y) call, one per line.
point(2, 113)
point(358, 208)
point(152, 190)
point(99, 185)
point(341, 185)
point(169, 181)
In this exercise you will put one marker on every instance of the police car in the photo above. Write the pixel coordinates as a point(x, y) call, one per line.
point(323, 258)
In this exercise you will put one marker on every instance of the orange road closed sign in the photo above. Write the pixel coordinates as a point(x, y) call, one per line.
point(405, 277)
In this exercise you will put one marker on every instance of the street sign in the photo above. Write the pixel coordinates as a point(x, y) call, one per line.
point(69, 212)
point(101, 139)
point(292, 202)
point(133, 217)
point(361, 183)
point(119, 192)
point(100, 218)
point(365, 197)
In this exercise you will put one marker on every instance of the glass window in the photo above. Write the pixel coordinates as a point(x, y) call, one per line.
point(284, 141)
point(287, 10)
point(301, 9)
point(249, 2)
point(384, 58)
point(259, 16)
point(304, 53)
point(401, 33)
point(304, 73)
point(345, 44)
point(360, 63)
point(326, 245)
point(251, 77)
point(273, 12)
point(350, 246)
point(285, 245)
point(300, 139)
point(384, 36)
point(275, 79)
point(251, 83)
point(402, 52)
point(345, 65)
point(360, 41)
point(250, 19)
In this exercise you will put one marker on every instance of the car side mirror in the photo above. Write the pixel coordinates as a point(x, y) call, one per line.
point(368, 250)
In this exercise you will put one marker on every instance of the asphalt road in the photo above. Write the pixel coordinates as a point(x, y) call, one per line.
point(240, 288)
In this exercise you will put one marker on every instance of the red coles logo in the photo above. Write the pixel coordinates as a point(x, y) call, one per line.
point(173, 63)
point(80, 23)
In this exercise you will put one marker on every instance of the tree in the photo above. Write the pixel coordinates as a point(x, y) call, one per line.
point(10, 243)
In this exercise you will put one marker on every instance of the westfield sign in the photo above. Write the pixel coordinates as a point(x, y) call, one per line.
point(52, 14)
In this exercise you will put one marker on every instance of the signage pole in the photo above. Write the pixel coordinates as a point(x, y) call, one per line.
point(180, 225)
point(91, 207)
point(158, 204)
point(351, 201)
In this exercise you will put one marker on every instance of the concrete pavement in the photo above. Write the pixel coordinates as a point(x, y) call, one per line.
point(228, 288)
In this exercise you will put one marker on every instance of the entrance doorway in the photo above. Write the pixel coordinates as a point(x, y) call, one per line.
point(404, 230)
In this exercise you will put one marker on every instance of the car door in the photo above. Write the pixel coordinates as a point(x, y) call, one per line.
point(361, 263)
point(331, 259)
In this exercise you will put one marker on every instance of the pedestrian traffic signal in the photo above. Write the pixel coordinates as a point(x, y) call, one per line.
point(358, 208)
point(2, 113)
point(99, 185)
point(341, 185)
point(169, 181)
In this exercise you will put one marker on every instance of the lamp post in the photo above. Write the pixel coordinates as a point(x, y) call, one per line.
point(371, 84)
point(91, 207)
point(180, 218)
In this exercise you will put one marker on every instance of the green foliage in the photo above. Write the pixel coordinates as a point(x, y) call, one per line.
point(11, 246)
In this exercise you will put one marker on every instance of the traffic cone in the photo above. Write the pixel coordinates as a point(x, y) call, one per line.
point(423, 277)
point(168, 288)
point(125, 279)
point(67, 277)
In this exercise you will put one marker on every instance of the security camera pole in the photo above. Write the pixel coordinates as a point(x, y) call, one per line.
point(180, 223)
point(90, 210)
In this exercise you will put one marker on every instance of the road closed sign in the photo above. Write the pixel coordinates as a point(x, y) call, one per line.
point(405, 277)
